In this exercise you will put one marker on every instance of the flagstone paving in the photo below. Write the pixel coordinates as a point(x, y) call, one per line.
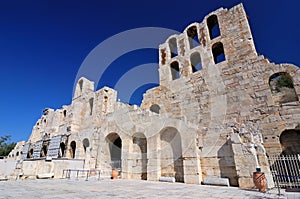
point(75, 189)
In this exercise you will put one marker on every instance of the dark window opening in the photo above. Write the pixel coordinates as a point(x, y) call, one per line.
point(91, 101)
point(44, 151)
point(213, 26)
point(65, 113)
point(17, 153)
point(193, 37)
point(155, 108)
point(218, 52)
point(282, 88)
point(80, 85)
point(86, 144)
point(30, 153)
point(73, 149)
point(62, 147)
point(196, 62)
point(173, 47)
point(175, 70)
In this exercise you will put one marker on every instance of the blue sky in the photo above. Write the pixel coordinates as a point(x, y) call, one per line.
point(43, 44)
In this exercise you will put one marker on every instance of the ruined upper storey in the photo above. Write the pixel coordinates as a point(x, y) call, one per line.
point(223, 36)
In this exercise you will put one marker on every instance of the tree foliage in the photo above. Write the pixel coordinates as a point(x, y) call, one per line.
point(284, 81)
point(5, 146)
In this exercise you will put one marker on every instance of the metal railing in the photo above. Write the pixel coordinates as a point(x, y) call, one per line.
point(67, 173)
point(285, 171)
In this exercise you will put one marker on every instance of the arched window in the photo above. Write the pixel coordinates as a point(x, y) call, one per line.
point(30, 153)
point(175, 70)
point(86, 143)
point(213, 26)
point(62, 147)
point(173, 47)
point(282, 88)
point(91, 102)
point(65, 113)
point(155, 108)
point(192, 34)
point(195, 60)
point(80, 85)
point(44, 151)
point(73, 149)
point(218, 52)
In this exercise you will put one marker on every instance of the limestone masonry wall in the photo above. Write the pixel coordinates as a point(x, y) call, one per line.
point(216, 113)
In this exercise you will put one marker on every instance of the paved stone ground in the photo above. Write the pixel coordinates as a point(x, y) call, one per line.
point(63, 188)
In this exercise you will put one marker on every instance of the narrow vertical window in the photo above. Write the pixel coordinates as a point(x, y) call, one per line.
point(213, 26)
point(218, 52)
point(173, 47)
point(196, 62)
point(175, 70)
point(193, 37)
point(91, 102)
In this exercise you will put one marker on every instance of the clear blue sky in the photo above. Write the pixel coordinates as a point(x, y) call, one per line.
point(43, 43)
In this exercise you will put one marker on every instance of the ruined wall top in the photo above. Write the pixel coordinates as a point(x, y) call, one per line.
point(219, 38)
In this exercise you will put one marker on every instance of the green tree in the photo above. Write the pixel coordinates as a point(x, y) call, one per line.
point(5, 146)
point(284, 81)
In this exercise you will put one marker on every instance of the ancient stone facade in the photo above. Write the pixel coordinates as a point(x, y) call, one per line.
point(215, 114)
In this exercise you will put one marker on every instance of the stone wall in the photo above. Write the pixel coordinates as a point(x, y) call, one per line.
point(210, 91)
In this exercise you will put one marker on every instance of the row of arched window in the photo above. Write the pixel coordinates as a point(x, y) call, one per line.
point(194, 41)
point(192, 35)
point(62, 149)
point(195, 60)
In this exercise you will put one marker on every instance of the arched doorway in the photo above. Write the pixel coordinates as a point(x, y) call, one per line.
point(140, 156)
point(62, 148)
point(290, 142)
point(171, 154)
point(73, 149)
point(115, 150)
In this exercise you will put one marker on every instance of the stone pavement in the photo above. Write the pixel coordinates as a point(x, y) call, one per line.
point(63, 188)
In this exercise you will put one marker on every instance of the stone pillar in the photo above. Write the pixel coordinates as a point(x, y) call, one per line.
point(125, 158)
point(192, 170)
point(153, 154)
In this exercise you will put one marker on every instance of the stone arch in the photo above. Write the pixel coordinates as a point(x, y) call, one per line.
point(114, 149)
point(213, 26)
point(193, 38)
point(290, 141)
point(282, 88)
point(175, 70)
point(139, 152)
point(86, 144)
point(155, 108)
point(72, 149)
point(195, 61)
point(62, 149)
point(44, 151)
point(171, 154)
point(218, 52)
point(30, 153)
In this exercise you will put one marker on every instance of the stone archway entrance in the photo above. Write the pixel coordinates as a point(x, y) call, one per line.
point(115, 150)
point(290, 142)
point(171, 154)
point(139, 156)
